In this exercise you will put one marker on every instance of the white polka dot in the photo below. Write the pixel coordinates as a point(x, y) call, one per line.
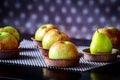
point(107, 9)
point(38, 25)
point(73, 29)
point(91, 2)
point(113, 1)
point(16, 22)
point(118, 26)
point(84, 29)
point(88, 36)
point(78, 19)
point(22, 15)
point(40, 8)
point(11, 14)
point(62, 28)
point(94, 28)
point(52, 8)
point(6, 3)
point(47, 1)
point(113, 18)
point(58, 1)
point(28, 24)
point(57, 19)
point(96, 11)
point(85, 11)
point(45, 18)
point(63, 10)
point(118, 8)
point(90, 19)
point(29, 7)
point(73, 10)
point(35, 0)
point(80, 3)
point(102, 19)
point(5, 20)
point(17, 5)
point(34, 16)
point(101, 1)
point(69, 19)
point(68, 2)
point(77, 36)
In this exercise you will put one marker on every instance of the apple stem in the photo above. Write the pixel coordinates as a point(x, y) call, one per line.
point(96, 27)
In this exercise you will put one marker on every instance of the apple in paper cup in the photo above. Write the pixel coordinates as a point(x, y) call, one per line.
point(11, 30)
point(100, 49)
point(100, 43)
point(63, 54)
point(8, 46)
point(40, 32)
point(51, 37)
point(63, 50)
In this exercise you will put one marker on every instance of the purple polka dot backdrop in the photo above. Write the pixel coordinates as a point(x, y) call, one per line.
point(75, 17)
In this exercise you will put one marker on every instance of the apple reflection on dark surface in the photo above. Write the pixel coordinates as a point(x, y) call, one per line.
point(52, 74)
point(9, 72)
point(60, 75)
point(99, 76)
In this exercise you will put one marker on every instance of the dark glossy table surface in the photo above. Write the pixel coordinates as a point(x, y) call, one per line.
point(12, 72)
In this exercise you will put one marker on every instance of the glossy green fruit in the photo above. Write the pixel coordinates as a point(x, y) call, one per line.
point(100, 44)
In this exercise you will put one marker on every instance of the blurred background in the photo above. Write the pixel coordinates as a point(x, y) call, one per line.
point(75, 17)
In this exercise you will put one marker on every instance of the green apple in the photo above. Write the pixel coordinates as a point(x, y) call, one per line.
point(12, 31)
point(52, 36)
point(63, 50)
point(100, 44)
point(113, 33)
point(42, 30)
point(8, 41)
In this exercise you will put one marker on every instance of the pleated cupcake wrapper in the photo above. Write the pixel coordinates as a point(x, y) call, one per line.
point(31, 56)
